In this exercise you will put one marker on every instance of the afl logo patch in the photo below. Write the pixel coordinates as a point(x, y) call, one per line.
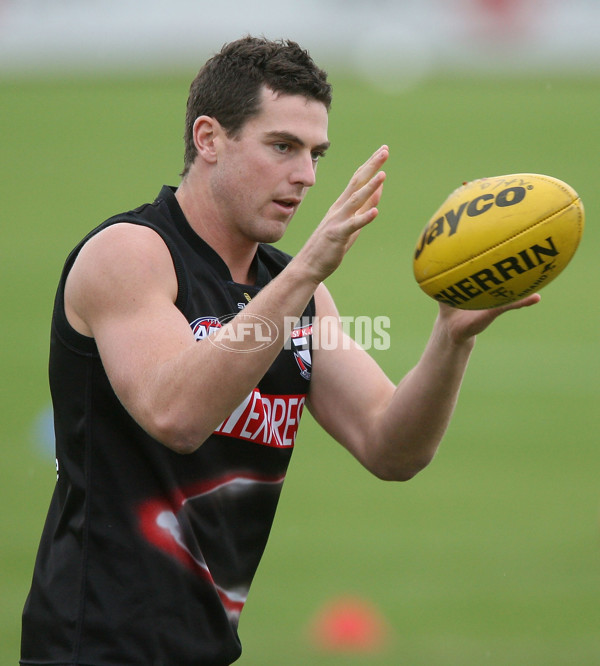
point(205, 326)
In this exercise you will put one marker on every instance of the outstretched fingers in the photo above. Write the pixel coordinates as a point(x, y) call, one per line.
point(354, 208)
point(465, 324)
point(359, 200)
point(364, 174)
point(361, 207)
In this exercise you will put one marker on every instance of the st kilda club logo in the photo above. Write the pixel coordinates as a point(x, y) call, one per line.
point(300, 339)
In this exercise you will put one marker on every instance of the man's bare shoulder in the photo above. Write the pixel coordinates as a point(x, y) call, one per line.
point(116, 268)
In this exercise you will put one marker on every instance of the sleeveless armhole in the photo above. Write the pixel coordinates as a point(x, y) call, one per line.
point(83, 344)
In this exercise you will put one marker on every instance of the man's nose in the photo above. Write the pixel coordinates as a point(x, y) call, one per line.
point(305, 170)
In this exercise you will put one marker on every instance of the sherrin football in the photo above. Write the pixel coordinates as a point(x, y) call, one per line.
point(496, 240)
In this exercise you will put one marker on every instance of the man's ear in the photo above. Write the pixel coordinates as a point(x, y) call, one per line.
point(206, 130)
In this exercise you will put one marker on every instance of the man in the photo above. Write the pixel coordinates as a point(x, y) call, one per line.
point(178, 383)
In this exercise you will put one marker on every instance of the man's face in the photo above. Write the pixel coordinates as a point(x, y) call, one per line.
point(261, 177)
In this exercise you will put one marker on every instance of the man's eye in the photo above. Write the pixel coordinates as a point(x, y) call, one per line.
point(282, 147)
point(317, 155)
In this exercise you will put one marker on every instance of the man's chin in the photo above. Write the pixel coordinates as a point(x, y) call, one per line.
point(274, 231)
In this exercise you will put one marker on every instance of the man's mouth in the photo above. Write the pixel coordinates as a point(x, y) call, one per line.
point(287, 204)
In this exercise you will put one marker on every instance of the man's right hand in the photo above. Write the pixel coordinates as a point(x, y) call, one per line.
point(355, 208)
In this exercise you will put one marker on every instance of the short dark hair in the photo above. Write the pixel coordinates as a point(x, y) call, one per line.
point(229, 85)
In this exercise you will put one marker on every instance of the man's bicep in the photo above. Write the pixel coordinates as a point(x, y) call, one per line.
point(121, 291)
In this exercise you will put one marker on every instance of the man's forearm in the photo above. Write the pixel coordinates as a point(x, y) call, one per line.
point(410, 429)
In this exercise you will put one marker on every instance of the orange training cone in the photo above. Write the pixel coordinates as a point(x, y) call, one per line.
point(349, 624)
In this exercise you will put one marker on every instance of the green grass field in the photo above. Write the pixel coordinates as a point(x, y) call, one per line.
point(491, 555)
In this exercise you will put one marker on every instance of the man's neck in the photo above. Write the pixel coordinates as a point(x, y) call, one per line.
point(237, 253)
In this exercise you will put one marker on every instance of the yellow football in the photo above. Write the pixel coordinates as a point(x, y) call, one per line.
point(496, 240)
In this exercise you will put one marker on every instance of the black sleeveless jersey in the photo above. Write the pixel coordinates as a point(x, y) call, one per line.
point(147, 555)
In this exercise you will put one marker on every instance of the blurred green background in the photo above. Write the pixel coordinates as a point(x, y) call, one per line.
point(489, 556)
